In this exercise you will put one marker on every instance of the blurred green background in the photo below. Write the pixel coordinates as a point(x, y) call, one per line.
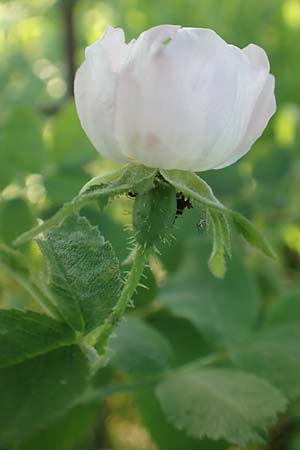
point(45, 158)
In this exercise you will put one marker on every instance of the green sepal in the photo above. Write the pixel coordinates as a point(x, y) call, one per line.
point(216, 262)
point(251, 234)
point(130, 178)
point(135, 178)
point(192, 186)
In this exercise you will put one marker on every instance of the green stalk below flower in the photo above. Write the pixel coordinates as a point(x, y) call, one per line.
point(100, 335)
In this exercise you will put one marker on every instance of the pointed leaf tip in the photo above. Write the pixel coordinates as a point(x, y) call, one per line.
point(252, 234)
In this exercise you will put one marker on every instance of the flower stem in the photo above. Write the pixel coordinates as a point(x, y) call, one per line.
point(66, 210)
point(99, 336)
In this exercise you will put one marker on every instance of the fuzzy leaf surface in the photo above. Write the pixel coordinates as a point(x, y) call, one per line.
point(220, 404)
point(84, 272)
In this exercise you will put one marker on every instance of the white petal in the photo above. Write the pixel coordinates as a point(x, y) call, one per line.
point(263, 111)
point(113, 42)
point(176, 98)
point(174, 101)
point(95, 91)
point(257, 57)
point(252, 74)
point(148, 42)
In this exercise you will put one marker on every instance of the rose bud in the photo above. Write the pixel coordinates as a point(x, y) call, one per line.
point(175, 98)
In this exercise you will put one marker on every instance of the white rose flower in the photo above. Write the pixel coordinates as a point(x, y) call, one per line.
point(175, 98)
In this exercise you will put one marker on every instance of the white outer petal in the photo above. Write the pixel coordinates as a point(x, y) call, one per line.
point(168, 97)
point(95, 92)
point(263, 110)
point(194, 104)
point(187, 105)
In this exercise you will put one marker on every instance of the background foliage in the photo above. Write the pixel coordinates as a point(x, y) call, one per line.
point(45, 158)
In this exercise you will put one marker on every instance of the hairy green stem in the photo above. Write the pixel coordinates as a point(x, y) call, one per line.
point(100, 335)
point(66, 210)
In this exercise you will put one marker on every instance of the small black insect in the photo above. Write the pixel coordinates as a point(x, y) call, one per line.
point(182, 204)
point(131, 194)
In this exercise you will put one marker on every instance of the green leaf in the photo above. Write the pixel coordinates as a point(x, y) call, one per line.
point(274, 354)
point(35, 392)
point(251, 234)
point(84, 272)
point(223, 310)
point(198, 190)
point(26, 334)
point(220, 404)
point(112, 230)
point(138, 348)
point(165, 435)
